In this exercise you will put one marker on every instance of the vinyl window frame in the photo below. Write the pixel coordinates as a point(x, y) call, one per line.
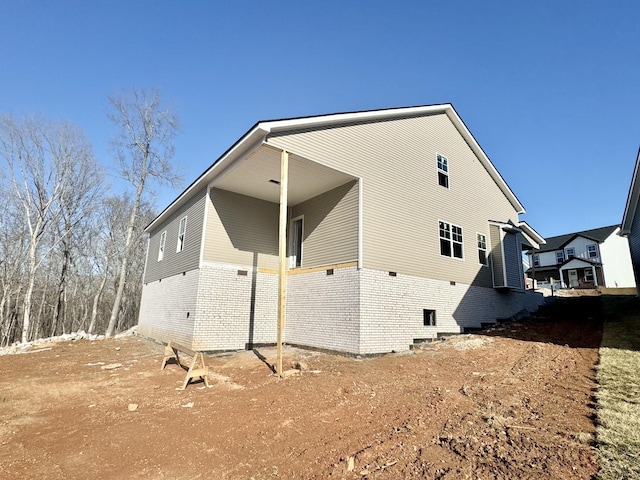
point(481, 240)
point(182, 232)
point(442, 164)
point(592, 250)
point(162, 245)
point(559, 257)
point(451, 238)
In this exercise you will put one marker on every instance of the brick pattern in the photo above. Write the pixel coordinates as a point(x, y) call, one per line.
point(235, 310)
point(353, 311)
point(391, 316)
point(168, 308)
point(323, 310)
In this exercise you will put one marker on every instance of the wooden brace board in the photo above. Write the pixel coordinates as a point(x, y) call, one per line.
point(197, 368)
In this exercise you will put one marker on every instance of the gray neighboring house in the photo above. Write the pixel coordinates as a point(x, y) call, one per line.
point(630, 226)
point(399, 228)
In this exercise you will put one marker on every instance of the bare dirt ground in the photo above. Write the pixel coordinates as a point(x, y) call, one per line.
point(516, 402)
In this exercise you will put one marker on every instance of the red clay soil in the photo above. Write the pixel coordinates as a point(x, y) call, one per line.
point(517, 402)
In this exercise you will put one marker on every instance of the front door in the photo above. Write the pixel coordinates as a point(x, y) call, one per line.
point(573, 278)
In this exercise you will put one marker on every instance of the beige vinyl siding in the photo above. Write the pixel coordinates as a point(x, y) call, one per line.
point(402, 201)
point(241, 230)
point(189, 258)
point(497, 257)
point(330, 226)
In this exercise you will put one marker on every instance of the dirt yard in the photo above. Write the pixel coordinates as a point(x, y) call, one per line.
point(516, 402)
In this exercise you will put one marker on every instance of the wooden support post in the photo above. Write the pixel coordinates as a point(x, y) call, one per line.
point(282, 249)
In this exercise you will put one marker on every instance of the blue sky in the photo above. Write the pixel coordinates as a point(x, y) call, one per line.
point(550, 89)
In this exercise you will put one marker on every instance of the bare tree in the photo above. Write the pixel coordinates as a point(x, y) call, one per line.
point(143, 148)
point(41, 158)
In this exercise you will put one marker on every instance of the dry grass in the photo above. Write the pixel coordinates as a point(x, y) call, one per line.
point(618, 432)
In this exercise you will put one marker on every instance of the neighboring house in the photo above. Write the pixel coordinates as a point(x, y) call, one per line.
point(398, 228)
point(630, 226)
point(587, 259)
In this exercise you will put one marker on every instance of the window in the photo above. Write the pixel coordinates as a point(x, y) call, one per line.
point(429, 317)
point(588, 274)
point(163, 240)
point(592, 250)
point(536, 260)
point(559, 257)
point(450, 240)
point(482, 249)
point(182, 229)
point(571, 252)
point(297, 228)
point(443, 171)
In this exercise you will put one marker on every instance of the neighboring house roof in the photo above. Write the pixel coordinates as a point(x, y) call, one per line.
point(598, 235)
point(258, 134)
point(632, 200)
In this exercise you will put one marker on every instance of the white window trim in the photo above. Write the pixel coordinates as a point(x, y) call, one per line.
point(291, 257)
point(563, 259)
point(486, 254)
point(444, 172)
point(451, 225)
point(161, 247)
point(566, 252)
point(595, 250)
point(535, 259)
point(181, 235)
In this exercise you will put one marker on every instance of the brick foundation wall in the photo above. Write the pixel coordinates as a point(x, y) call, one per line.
point(353, 311)
point(235, 310)
point(323, 310)
point(168, 307)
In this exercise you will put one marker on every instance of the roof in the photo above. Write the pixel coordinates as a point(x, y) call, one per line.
point(598, 235)
point(257, 135)
point(632, 200)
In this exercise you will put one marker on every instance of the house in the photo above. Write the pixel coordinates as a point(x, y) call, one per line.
point(586, 259)
point(630, 227)
point(360, 232)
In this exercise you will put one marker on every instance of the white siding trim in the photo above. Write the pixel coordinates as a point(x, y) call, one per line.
point(207, 200)
point(360, 191)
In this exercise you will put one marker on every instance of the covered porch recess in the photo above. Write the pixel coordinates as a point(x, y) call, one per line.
point(289, 180)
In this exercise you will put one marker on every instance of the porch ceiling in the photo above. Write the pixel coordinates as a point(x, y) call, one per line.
point(251, 176)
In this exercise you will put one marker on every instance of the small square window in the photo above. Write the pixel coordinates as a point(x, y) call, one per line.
point(429, 317)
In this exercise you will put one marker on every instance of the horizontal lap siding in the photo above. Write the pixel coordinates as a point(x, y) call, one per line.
point(513, 257)
point(330, 226)
point(189, 258)
point(497, 258)
point(241, 230)
point(402, 201)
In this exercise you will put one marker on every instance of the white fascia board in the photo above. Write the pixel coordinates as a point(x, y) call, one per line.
point(484, 159)
point(336, 118)
point(254, 136)
point(531, 233)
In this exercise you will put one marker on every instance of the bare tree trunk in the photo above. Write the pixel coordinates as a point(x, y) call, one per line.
point(143, 149)
point(96, 300)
